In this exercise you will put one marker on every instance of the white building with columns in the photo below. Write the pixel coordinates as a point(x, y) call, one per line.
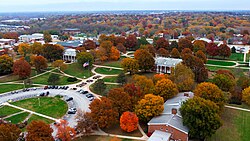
point(164, 65)
point(69, 55)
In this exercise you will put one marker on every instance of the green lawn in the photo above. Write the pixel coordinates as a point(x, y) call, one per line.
point(113, 64)
point(108, 71)
point(35, 118)
point(111, 79)
point(237, 57)
point(78, 71)
point(6, 110)
point(18, 118)
point(43, 79)
point(236, 126)
point(50, 106)
point(221, 63)
point(99, 138)
point(10, 87)
point(106, 91)
point(9, 78)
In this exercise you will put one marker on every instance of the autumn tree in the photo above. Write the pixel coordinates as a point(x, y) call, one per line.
point(21, 68)
point(199, 45)
point(11, 35)
point(64, 131)
point(161, 43)
point(201, 55)
point(173, 45)
point(6, 64)
point(121, 48)
point(59, 64)
point(243, 82)
point(158, 77)
point(105, 49)
point(246, 95)
point(89, 44)
point(166, 89)
point(84, 57)
point(9, 132)
point(224, 51)
point(119, 40)
point(130, 65)
point(212, 49)
point(129, 122)
point(184, 43)
point(145, 59)
point(226, 72)
point(39, 131)
point(24, 49)
point(40, 63)
point(85, 124)
point(146, 85)
point(201, 117)
point(148, 107)
point(134, 92)
point(183, 77)
point(224, 82)
point(103, 113)
point(186, 51)
point(121, 100)
point(99, 86)
point(37, 48)
point(149, 48)
point(47, 37)
point(131, 42)
point(114, 54)
point(53, 52)
point(175, 53)
point(210, 91)
point(162, 52)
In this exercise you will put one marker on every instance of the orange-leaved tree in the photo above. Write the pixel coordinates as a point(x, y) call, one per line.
point(21, 68)
point(166, 89)
point(64, 131)
point(129, 121)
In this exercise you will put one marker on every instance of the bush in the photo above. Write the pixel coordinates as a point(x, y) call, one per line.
point(72, 79)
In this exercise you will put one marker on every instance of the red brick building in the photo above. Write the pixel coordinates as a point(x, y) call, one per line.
point(170, 120)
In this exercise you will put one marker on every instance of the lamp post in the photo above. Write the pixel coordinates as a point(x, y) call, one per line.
point(39, 101)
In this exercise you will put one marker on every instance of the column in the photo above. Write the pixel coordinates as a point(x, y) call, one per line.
point(157, 69)
point(165, 69)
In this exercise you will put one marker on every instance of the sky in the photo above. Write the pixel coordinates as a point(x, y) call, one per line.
point(107, 5)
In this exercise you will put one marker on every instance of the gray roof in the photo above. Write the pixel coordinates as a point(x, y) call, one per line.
point(169, 119)
point(169, 62)
point(159, 136)
point(73, 44)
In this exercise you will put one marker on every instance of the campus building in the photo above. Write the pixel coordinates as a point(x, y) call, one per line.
point(164, 65)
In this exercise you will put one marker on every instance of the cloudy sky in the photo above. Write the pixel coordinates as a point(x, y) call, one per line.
point(97, 5)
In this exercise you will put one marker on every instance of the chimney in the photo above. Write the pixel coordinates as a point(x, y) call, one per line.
point(174, 111)
point(186, 94)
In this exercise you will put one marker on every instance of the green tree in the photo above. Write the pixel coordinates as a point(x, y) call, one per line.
point(99, 86)
point(145, 59)
point(37, 48)
point(6, 64)
point(84, 57)
point(148, 107)
point(210, 91)
point(47, 37)
point(130, 65)
point(201, 117)
point(122, 79)
point(53, 79)
point(166, 89)
point(224, 82)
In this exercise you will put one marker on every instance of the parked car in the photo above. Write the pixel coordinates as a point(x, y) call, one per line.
point(42, 94)
point(92, 98)
point(69, 99)
point(46, 87)
point(84, 92)
point(89, 95)
point(72, 111)
point(90, 80)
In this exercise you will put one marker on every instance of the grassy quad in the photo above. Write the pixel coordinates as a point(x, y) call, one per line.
point(18, 118)
point(78, 71)
point(236, 126)
point(50, 106)
point(220, 63)
point(111, 79)
point(10, 87)
point(43, 79)
point(116, 64)
point(108, 71)
point(6, 110)
point(36, 117)
point(109, 86)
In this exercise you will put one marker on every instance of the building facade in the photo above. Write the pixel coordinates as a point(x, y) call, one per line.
point(165, 65)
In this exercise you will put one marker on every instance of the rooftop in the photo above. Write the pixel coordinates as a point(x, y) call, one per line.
point(73, 44)
point(159, 136)
point(168, 62)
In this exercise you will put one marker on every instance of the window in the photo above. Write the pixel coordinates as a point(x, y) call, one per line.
point(161, 128)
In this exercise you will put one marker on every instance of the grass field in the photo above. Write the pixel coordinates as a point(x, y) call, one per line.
point(108, 71)
point(50, 106)
point(9, 78)
point(99, 138)
point(35, 118)
point(236, 126)
point(118, 131)
point(43, 79)
point(78, 71)
point(106, 91)
point(18, 118)
point(6, 110)
point(111, 79)
point(221, 63)
point(10, 87)
point(113, 64)
point(237, 57)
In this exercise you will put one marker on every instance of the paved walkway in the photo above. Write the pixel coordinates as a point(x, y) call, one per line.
point(237, 108)
point(29, 111)
point(100, 66)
